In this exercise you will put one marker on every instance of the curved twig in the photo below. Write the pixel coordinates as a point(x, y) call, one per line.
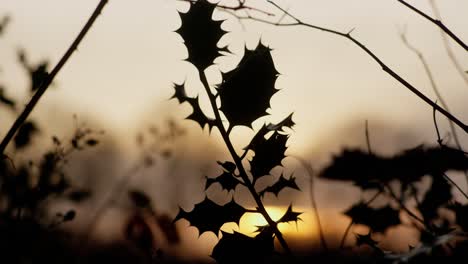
point(437, 22)
point(387, 69)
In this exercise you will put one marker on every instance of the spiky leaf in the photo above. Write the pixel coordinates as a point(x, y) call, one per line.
point(268, 154)
point(377, 219)
point(201, 34)
point(238, 248)
point(198, 116)
point(179, 93)
point(209, 216)
point(226, 180)
point(260, 135)
point(290, 216)
point(279, 185)
point(246, 91)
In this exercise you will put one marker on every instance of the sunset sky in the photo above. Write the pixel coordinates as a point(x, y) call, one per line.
point(122, 75)
point(125, 67)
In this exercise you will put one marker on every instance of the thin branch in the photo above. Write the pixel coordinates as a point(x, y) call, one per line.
point(448, 49)
point(437, 22)
point(369, 149)
point(240, 6)
point(455, 184)
point(50, 77)
point(310, 172)
point(402, 206)
point(243, 174)
point(385, 68)
point(430, 76)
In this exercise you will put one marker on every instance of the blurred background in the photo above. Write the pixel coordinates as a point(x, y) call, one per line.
point(121, 78)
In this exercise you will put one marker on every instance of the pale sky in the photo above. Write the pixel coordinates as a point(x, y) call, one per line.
point(127, 63)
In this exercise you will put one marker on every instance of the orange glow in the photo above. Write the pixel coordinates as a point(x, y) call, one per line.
point(303, 229)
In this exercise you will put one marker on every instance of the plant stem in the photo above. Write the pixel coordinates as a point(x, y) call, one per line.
point(50, 77)
point(437, 22)
point(347, 35)
point(260, 207)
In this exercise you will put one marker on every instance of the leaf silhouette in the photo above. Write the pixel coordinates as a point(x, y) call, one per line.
point(24, 134)
point(209, 216)
point(38, 75)
point(246, 91)
point(201, 34)
point(228, 166)
point(226, 180)
point(290, 216)
point(377, 219)
point(439, 194)
point(197, 114)
point(279, 185)
point(367, 170)
point(260, 135)
point(268, 154)
point(238, 248)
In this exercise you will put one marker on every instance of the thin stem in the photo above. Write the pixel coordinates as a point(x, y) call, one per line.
point(437, 22)
point(430, 76)
point(260, 207)
point(455, 184)
point(313, 201)
point(437, 93)
point(50, 77)
point(448, 49)
point(402, 206)
point(385, 68)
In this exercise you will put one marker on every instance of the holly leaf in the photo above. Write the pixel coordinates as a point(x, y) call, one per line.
point(268, 154)
point(279, 185)
point(209, 216)
point(24, 134)
point(198, 116)
point(260, 135)
point(245, 92)
point(238, 248)
point(359, 167)
point(377, 219)
point(287, 122)
point(201, 34)
point(180, 94)
point(290, 216)
point(228, 166)
point(439, 194)
point(226, 180)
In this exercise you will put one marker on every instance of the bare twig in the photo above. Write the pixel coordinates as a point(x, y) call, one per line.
point(437, 22)
point(430, 76)
point(298, 22)
point(50, 77)
point(310, 172)
point(455, 184)
point(240, 6)
point(448, 49)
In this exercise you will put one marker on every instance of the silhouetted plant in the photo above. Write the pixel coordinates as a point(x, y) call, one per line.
point(243, 96)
